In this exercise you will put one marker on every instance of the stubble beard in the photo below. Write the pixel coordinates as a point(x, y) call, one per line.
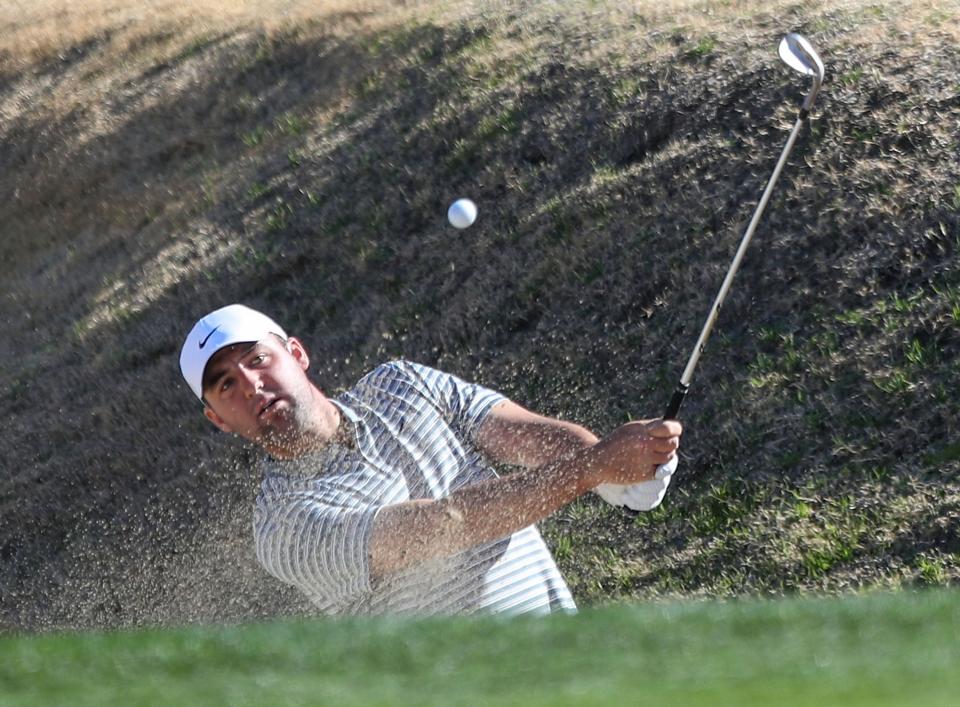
point(295, 429)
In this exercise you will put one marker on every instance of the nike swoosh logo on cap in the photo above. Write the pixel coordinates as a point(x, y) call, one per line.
point(207, 337)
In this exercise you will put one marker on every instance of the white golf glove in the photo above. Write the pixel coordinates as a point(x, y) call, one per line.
point(642, 496)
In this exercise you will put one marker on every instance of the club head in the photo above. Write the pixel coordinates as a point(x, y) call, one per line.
point(797, 53)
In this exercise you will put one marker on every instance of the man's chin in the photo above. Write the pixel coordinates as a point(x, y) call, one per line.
point(280, 428)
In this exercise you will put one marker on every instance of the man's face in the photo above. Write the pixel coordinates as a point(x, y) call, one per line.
point(260, 391)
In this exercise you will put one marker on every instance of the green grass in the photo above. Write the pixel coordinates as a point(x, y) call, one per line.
point(881, 649)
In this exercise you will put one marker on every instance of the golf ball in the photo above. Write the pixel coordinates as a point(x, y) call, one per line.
point(462, 213)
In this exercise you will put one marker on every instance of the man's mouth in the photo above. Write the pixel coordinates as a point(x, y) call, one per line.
point(267, 407)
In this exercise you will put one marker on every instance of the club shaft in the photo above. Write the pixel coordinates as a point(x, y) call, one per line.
point(684, 383)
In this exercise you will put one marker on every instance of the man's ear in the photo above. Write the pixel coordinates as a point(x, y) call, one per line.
point(299, 352)
point(216, 419)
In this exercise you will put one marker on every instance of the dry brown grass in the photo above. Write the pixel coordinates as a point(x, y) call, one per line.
point(160, 158)
point(36, 31)
point(32, 32)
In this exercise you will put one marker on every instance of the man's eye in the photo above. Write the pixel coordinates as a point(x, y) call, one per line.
point(258, 359)
point(225, 386)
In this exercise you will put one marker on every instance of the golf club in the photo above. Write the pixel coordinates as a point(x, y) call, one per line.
point(797, 53)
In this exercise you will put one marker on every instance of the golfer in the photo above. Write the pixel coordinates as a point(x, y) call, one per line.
point(383, 499)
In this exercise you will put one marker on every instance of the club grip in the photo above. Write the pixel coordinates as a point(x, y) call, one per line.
point(676, 401)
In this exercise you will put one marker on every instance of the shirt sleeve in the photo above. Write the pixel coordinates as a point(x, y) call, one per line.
point(463, 405)
point(322, 547)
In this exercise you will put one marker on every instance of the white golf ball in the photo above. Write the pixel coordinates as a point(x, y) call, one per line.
point(462, 213)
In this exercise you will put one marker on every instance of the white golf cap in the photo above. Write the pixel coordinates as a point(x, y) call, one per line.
point(233, 324)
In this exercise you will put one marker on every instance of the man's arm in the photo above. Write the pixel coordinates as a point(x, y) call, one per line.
point(409, 533)
point(513, 435)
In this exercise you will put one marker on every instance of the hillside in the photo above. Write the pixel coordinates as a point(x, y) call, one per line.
point(158, 161)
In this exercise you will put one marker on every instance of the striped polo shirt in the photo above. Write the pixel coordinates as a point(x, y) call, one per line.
point(414, 438)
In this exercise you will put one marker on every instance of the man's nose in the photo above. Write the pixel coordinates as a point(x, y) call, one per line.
point(251, 381)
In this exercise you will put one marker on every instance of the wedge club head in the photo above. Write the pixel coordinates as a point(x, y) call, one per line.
point(797, 53)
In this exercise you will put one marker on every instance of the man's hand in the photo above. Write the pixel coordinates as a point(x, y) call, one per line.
point(642, 496)
point(632, 452)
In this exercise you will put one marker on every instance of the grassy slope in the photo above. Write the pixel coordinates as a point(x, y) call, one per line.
point(156, 165)
point(875, 650)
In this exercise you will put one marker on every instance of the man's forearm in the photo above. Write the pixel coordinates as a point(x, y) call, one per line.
point(409, 533)
point(514, 435)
